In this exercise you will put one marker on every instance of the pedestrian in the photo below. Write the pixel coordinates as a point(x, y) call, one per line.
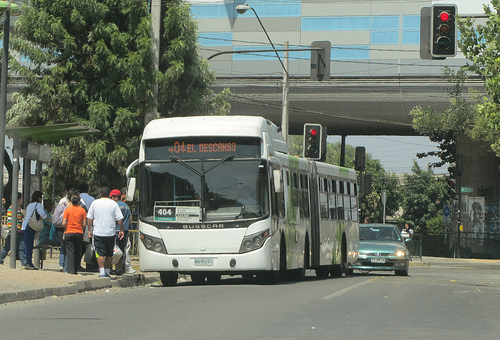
point(102, 217)
point(4, 209)
point(408, 229)
point(74, 222)
point(57, 220)
point(128, 266)
point(29, 234)
point(20, 245)
point(85, 197)
point(115, 195)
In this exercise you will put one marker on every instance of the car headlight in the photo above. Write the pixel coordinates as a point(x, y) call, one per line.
point(254, 241)
point(400, 253)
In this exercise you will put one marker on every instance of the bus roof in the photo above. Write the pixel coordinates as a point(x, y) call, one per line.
point(195, 126)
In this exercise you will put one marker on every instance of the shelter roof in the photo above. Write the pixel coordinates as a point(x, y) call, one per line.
point(51, 133)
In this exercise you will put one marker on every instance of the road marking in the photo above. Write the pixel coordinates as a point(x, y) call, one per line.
point(348, 289)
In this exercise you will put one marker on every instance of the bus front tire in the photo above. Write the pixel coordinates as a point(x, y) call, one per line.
point(168, 279)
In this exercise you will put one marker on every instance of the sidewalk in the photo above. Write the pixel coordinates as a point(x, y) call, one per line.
point(19, 284)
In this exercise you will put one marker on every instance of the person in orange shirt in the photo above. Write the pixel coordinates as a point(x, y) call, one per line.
point(74, 221)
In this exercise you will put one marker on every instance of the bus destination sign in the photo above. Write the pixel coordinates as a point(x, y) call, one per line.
point(202, 147)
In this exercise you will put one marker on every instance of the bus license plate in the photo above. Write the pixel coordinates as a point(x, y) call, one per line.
point(378, 260)
point(203, 262)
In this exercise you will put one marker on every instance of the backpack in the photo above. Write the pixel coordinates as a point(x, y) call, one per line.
point(57, 217)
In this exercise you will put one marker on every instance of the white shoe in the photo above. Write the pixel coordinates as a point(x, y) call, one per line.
point(61, 269)
point(129, 270)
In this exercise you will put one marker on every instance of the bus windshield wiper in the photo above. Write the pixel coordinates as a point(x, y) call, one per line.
point(202, 173)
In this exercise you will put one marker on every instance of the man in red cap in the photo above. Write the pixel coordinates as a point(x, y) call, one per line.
point(102, 217)
point(116, 195)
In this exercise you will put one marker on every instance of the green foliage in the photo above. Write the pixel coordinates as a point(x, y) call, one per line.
point(443, 127)
point(92, 63)
point(480, 45)
point(423, 198)
point(371, 203)
point(435, 226)
point(184, 80)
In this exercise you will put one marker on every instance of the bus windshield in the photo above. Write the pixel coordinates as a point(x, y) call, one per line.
point(203, 190)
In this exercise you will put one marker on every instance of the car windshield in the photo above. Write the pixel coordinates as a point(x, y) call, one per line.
point(379, 233)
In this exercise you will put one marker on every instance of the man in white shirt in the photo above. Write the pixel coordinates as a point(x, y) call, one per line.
point(102, 217)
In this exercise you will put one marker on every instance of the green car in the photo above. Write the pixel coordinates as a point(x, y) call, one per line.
point(381, 247)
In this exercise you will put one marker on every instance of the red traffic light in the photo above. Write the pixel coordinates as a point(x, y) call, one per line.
point(444, 16)
point(313, 132)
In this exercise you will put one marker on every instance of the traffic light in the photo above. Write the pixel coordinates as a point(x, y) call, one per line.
point(443, 31)
point(451, 188)
point(313, 138)
point(320, 60)
point(359, 159)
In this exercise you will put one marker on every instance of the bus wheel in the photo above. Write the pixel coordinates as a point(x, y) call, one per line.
point(168, 279)
point(198, 277)
point(322, 272)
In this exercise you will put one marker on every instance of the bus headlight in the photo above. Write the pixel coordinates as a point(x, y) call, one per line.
point(254, 241)
point(153, 243)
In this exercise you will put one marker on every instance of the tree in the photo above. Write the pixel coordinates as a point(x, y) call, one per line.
point(423, 198)
point(443, 127)
point(480, 46)
point(184, 80)
point(91, 62)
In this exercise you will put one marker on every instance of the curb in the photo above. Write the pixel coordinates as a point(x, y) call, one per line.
point(127, 280)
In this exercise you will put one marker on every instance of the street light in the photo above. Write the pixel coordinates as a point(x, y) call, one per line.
point(241, 9)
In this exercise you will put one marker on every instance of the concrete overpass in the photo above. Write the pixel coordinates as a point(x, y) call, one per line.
point(356, 106)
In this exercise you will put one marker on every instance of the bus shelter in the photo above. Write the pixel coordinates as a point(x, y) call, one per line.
point(30, 143)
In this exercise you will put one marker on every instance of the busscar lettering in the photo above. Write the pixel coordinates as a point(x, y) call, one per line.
point(203, 226)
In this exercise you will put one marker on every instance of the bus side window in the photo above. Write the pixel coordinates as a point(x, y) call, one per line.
point(304, 196)
point(340, 200)
point(323, 199)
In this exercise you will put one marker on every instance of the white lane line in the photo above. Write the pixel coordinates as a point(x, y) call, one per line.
point(348, 289)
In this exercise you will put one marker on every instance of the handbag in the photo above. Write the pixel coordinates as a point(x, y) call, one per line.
point(5, 231)
point(36, 222)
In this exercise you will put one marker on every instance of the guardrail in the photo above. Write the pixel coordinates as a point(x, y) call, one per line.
point(415, 246)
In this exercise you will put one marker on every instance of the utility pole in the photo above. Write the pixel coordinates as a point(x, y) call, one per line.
point(286, 89)
point(155, 34)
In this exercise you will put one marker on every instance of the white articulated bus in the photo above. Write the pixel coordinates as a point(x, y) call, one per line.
point(222, 196)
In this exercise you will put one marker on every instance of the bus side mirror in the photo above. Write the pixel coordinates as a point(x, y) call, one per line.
point(130, 189)
point(278, 181)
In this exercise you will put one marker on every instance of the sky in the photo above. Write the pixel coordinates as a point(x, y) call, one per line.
point(396, 153)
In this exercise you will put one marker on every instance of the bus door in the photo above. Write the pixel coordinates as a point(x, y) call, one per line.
point(277, 197)
point(315, 216)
